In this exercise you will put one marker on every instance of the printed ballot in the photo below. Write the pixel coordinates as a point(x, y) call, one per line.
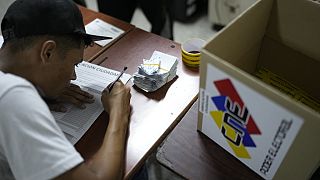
point(93, 79)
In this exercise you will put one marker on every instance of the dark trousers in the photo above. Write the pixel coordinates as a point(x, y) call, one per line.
point(80, 2)
point(156, 11)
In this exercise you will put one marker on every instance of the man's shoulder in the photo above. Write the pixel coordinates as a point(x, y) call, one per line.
point(10, 81)
point(17, 92)
point(19, 100)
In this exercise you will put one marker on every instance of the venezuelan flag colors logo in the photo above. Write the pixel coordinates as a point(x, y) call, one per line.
point(233, 119)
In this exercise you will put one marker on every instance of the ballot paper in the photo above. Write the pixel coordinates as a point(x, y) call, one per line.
point(155, 72)
point(93, 79)
point(102, 28)
point(1, 40)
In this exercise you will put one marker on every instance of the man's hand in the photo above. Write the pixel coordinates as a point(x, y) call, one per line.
point(118, 99)
point(117, 104)
point(71, 94)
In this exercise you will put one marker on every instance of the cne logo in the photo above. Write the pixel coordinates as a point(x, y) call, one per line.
point(233, 119)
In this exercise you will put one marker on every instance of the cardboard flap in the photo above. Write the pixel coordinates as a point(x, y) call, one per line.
point(242, 36)
point(296, 24)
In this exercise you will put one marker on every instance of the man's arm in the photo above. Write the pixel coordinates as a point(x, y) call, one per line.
point(108, 162)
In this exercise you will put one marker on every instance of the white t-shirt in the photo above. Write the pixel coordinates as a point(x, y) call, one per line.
point(32, 146)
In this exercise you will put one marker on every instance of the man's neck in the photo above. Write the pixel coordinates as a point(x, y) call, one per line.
point(15, 63)
point(5, 62)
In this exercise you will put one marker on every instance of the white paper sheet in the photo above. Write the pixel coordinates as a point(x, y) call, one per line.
point(93, 79)
point(102, 28)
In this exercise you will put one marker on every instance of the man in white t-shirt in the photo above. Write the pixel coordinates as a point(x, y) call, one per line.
point(43, 41)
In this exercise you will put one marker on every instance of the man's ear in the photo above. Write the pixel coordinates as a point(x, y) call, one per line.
point(48, 50)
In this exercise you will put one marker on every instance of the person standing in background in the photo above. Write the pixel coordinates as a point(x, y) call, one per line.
point(156, 11)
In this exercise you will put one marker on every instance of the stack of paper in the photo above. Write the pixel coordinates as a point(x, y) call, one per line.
point(154, 73)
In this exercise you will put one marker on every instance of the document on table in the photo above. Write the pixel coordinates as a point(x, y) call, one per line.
point(102, 28)
point(93, 79)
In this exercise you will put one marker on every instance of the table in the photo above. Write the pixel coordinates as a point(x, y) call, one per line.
point(194, 156)
point(91, 53)
point(155, 114)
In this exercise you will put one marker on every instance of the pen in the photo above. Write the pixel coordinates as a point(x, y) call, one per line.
point(110, 86)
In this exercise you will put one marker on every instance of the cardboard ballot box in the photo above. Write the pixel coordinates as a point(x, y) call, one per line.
point(271, 123)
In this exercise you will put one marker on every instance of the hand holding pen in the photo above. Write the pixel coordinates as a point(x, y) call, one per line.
point(119, 99)
point(110, 86)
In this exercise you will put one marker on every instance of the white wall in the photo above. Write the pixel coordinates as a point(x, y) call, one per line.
point(4, 4)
